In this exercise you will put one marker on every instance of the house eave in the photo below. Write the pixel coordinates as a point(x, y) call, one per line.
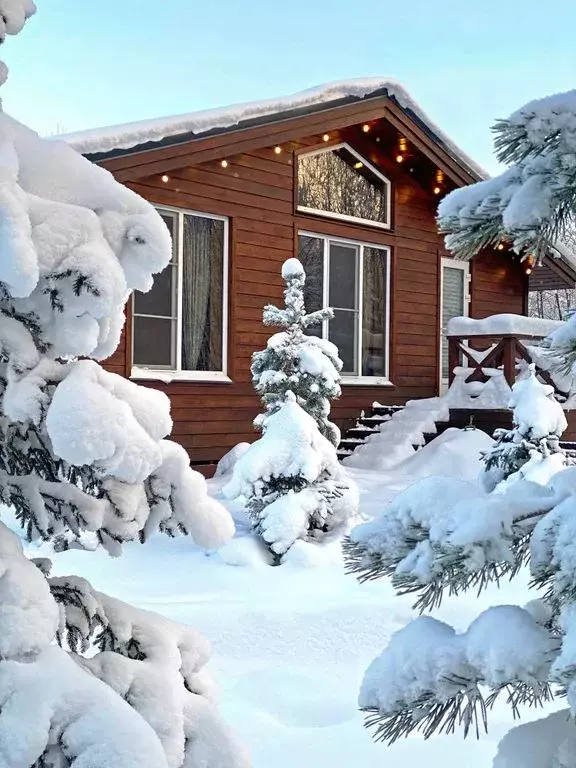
point(285, 116)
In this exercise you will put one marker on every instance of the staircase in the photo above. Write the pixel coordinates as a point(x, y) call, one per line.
point(388, 426)
point(366, 425)
point(394, 431)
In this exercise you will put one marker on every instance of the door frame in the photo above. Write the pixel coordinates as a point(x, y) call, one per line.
point(464, 266)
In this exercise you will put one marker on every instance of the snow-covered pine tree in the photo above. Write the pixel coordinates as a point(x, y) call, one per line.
point(292, 481)
point(295, 361)
point(447, 536)
point(84, 462)
point(532, 447)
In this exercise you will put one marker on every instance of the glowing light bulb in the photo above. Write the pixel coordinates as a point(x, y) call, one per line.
point(224, 163)
point(365, 127)
point(277, 150)
point(528, 270)
point(326, 137)
point(399, 158)
point(358, 165)
point(165, 179)
point(500, 247)
point(436, 190)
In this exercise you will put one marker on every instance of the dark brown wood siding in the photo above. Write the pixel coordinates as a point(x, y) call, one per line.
point(256, 192)
point(499, 285)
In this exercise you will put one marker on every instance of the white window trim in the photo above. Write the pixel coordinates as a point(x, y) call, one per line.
point(352, 380)
point(168, 375)
point(464, 266)
point(342, 216)
point(178, 374)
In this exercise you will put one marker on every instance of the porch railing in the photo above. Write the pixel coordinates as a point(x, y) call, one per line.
point(503, 350)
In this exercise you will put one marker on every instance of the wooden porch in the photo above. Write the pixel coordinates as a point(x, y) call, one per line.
point(503, 351)
point(485, 359)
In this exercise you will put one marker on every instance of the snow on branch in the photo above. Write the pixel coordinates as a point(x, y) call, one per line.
point(428, 679)
point(446, 534)
point(13, 15)
point(74, 244)
point(531, 205)
point(293, 483)
point(48, 706)
point(155, 664)
point(531, 449)
point(84, 462)
point(549, 741)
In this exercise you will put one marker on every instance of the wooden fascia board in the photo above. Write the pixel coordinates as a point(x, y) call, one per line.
point(461, 175)
point(138, 165)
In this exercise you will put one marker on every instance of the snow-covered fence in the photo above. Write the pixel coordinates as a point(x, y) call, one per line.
point(500, 341)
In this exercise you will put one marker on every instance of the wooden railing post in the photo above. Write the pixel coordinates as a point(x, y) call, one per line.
point(453, 357)
point(509, 359)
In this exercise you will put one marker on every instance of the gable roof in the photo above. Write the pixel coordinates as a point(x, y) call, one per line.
point(111, 141)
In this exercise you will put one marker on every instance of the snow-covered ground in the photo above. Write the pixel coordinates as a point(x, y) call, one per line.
point(291, 643)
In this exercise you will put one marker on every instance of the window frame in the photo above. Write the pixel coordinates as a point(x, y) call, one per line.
point(342, 216)
point(355, 379)
point(177, 373)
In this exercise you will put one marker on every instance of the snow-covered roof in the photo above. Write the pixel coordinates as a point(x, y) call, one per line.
point(131, 136)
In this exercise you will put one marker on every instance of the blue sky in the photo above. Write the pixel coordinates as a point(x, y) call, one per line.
point(86, 63)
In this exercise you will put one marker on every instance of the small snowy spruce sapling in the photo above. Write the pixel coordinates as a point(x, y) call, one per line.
point(292, 481)
point(532, 446)
point(294, 361)
point(445, 536)
point(86, 680)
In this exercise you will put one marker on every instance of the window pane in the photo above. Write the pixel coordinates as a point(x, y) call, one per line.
point(374, 312)
point(202, 293)
point(158, 300)
point(453, 281)
point(153, 342)
point(342, 331)
point(311, 255)
point(342, 281)
point(337, 181)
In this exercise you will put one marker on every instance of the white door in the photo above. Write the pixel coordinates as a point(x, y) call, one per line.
point(455, 300)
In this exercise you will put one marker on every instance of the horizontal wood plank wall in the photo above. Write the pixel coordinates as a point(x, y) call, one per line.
point(256, 191)
point(499, 285)
point(117, 362)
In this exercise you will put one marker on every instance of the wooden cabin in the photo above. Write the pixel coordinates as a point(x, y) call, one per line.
point(347, 177)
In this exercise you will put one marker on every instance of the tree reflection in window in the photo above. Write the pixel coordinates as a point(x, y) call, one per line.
point(340, 183)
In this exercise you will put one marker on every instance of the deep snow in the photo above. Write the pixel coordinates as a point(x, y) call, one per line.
point(291, 644)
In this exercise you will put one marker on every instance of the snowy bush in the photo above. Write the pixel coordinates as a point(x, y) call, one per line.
point(532, 448)
point(294, 486)
point(293, 361)
point(84, 462)
point(442, 536)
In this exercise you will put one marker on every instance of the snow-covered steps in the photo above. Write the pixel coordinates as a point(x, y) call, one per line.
point(367, 424)
point(570, 449)
point(389, 434)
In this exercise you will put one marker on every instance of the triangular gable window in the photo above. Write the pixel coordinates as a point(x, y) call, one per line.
point(339, 183)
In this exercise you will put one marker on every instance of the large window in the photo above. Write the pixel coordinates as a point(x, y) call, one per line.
point(354, 279)
point(339, 183)
point(180, 324)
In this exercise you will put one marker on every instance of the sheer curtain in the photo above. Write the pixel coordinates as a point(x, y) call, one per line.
point(375, 312)
point(202, 289)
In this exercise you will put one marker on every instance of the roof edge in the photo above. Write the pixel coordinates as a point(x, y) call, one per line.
point(133, 138)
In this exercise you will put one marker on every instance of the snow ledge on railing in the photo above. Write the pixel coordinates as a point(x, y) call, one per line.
point(497, 325)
